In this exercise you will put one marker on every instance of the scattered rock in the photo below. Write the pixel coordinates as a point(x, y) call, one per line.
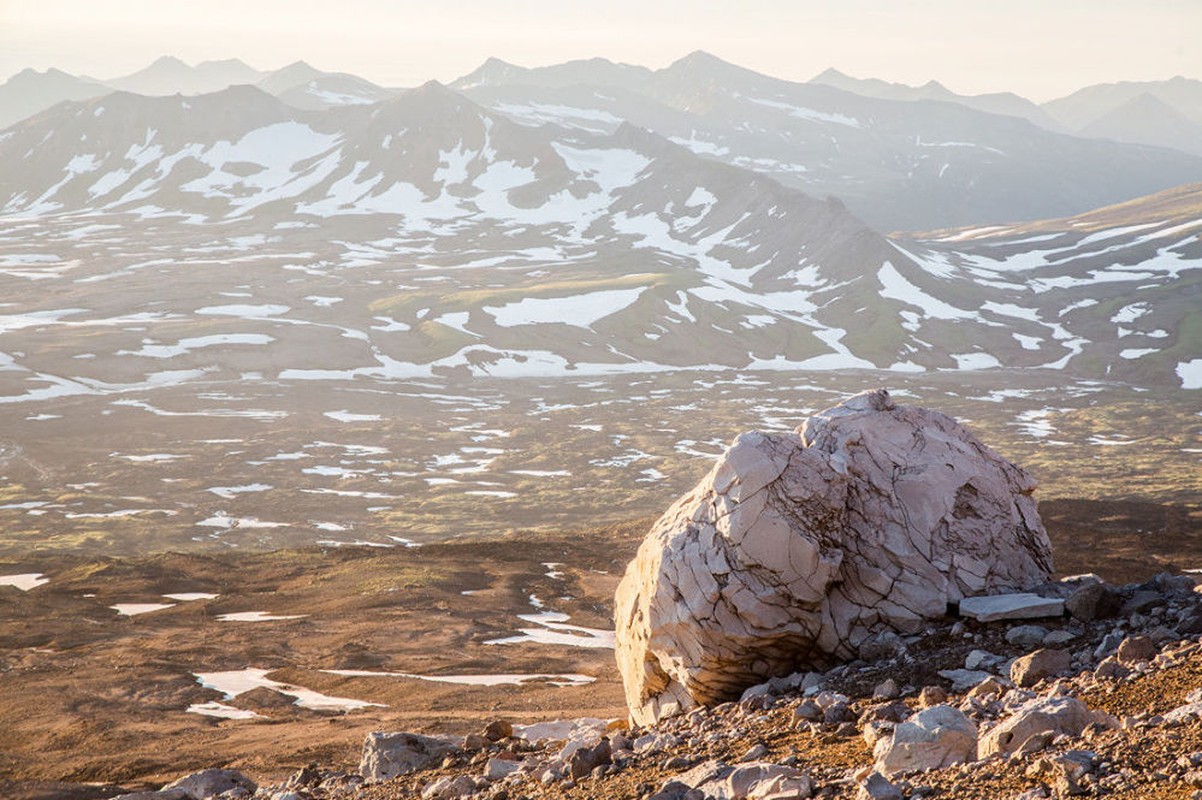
point(897, 711)
point(1110, 642)
point(754, 753)
point(1135, 649)
point(164, 794)
point(885, 690)
point(450, 787)
point(877, 787)
point(1023, 605)
point(586, 759)
point(1055, 715)
point(210, 783)
point(976, 659)
point(1190, 623)
point(935, 737)
point(964, 679)
point(497, 730)
point(991, 686)
point(1092, 601)
point(854, 500)
point(387, 755)
point(1034, 667)
point(757, 782)
point(497, 768)
point(1063, 772)
point(931, 696)
point(1058, 638)
point(807, 711)
point(1143, 600)
point(1110, 668)
point(1026, 635)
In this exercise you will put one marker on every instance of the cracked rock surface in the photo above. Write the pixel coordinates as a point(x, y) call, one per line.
point(799, 550)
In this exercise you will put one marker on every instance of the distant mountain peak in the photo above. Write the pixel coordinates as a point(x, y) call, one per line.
point(493, 71)
point(297, 71)
point(700, 58)
point(492, 62)
point(433, 88)
point(225, 62)
point(169, 61)
point(830, 74)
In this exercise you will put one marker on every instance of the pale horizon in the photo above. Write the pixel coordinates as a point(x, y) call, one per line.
point(1038, 52)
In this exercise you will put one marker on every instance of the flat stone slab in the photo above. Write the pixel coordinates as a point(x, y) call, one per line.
point(1023, 605)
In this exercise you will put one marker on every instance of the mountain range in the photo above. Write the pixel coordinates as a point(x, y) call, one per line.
point(426, 234)
point(901, 158)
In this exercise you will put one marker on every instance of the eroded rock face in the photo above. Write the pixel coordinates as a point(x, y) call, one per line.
point(799, 548)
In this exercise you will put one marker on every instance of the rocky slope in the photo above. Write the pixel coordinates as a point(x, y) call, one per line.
point(896, 163)
point(899, 157)
point(1101, 702)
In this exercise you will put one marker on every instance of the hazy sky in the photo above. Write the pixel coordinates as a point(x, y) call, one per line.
point(1039, 48)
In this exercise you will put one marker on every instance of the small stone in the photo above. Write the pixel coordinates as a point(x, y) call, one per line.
point(586, 759)
point(1055, 715)
point(674, 763)
point(449, 788)
point(1058, 638)
point(1110, 669)
point(1134, 649)
point(878, 787)
point(1026, 635)
point(807, 711)
point(964, 679)
point(1110, 642)
point(1143, 600)
point(931, 739)
point(976, 659)
point(387, 755)
point(990, 687)
point(885, 690)
point(497, 730)
point(881, 647)
point(497, 768)
point(838, 714)
point(895, 711)
point(754, 753)
point(1022, 605)
point(210, 783)
point(931, 696)
point(474, 741)
point(1190, 623)
point(1093, 601)
point(1034, 667)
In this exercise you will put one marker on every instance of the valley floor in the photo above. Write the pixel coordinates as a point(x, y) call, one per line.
point(93, 695)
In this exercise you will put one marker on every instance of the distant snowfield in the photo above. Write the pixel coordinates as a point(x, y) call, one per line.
point(257, 616)
point(554, 629)
point(136, 609)
point(235, 682)
point(499, 679)
point(24, 580)
point(1190, 373)
point(582, 311)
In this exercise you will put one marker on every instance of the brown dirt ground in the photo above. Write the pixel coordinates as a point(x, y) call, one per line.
point(92, 697)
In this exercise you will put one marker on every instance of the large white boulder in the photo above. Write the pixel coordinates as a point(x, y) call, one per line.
point(799, 547)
